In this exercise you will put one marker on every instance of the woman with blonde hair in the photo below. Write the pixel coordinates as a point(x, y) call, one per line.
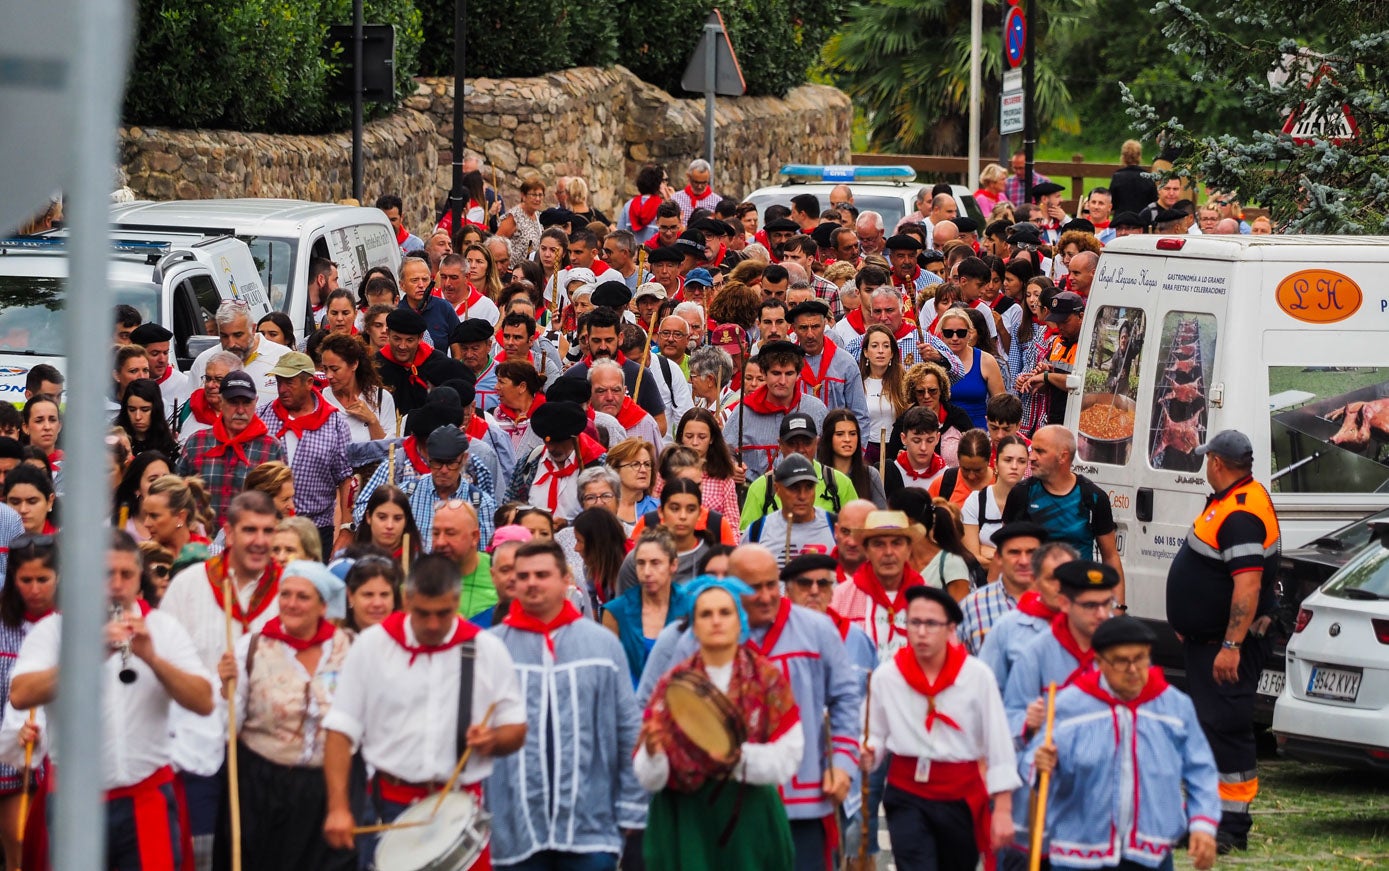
point(992, 179)
point(275, 480)
point(983, 376)
point(884, 385)
point(296, 538)
point(176, 511)
point(578, 202)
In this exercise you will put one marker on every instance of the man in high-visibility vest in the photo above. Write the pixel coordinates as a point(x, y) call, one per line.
point(1219, 598)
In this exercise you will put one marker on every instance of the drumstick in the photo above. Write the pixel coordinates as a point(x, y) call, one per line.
point(863, 811)
point(1039, 820)
point(386, 827)
point(462, 761)
point(233, 781)
point(28, 767)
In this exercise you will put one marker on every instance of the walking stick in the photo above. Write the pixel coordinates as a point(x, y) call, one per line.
point(882, 455)
point(390, 466)
point(24, 794)
point(863, 811)
point(786, 554)
point(405, 553)
point(1040, 816)
point(233, 780)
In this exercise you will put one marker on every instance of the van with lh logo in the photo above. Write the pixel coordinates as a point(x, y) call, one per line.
point(1284, 338)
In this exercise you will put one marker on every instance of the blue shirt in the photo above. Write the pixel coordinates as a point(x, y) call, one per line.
point(439, 319)
point(1077, 517)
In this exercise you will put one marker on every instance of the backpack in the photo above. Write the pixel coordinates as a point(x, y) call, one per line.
point(709, 534)
point(831, 491)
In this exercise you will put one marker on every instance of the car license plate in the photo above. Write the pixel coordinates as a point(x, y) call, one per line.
point(1271, 682)
point(1334, 683)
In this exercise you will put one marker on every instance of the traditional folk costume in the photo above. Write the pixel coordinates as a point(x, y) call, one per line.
point(881, 615)
point(539, 480)
point(142, 814)
point(398, 702)
point(808, 649)
point(571, 788)
point(938, 733)
point(901, 473)
point(1013, 632)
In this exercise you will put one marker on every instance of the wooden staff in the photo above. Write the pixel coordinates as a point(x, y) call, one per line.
point(24, 793)
point(233, 780)
point(390, 467)
point(787, 553)
point(405, 553)
point(1040, 816)
point(554, 294)
point(742, 401)
point(882, 455)
point(645, 361)
point(496, 198)
point(125, 518)
point(863, 811)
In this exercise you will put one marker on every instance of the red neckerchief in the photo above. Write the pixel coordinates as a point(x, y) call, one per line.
point(1032, 605)
point(760, 402)
point(620, 360)
point(202, 412)
point(394, 625)
point(401, 235)
point(955, 656)
point(641, 212)
point(254, 430)
point(411, 445)
point(696, 199)
point(908, 286)
point(1062, 632)
point(304, 422)
point(867, 580)
point(48, 528)
point(630, 414)
point(908, 327)
point(553, 474)
point(477, 427)
point(855, 319)
point(937, 463)
point(413, 367)
point(168, 373)
point(473, 298)
point(267, 588)
point(517, 618)
point(516, 418)
point(841, 622)
point(718, 258)
point(276, 630)
point(1156, 686)
point(34, 618)
point(815, 379)
point(769, 640)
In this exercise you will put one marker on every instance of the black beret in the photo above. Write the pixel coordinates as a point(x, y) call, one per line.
point(1025, 233)
point(965, 224)
point(1168, 216)
point(782, 225)
point(941, 598)
point(1122, 629)
point(1082, 225)
point(150, 334)
point(903, 242)
point(1126, 219)
point(712, 227)
point(809, 307)
point(614, 294)
point(781, 346)
point(1046, 188)
point(471, 330)
point(10, 449)
point(664, 255)
point(1080, 575)
point(423, 421)
point(1019, 529)
point(556, 216)
point(445, 396)
point(569, 389)
point(809, 562)
point(406, 321)
point(465, 388)
point(824, 235)
point(557, 421)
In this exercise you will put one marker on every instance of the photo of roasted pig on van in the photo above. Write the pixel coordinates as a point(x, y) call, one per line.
point(1107, 408)
point(1329, 429)
point(1177, 425)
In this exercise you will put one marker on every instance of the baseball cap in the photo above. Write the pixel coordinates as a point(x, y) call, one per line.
point(797, 425)
point(238, 385)
point(700, 276)
point(795, 469)
point(447, 443)
point(650, 288)
point(292, 365)
point(1229, 444)
point(1065, 304)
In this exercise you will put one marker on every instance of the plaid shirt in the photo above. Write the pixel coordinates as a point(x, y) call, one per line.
point(225, 476)
point(982, 608)
point(420, 492)
point(474, 472)
point(1012, 188)
point(826, 292)
point(318, 462)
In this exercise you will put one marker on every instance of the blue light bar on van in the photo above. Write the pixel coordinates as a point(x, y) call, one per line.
point(59, 243)
point(842, 173)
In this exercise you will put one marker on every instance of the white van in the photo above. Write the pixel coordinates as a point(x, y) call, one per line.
point(284, 235)
point(1285, 338)
point(888, 190)
point(174, 280)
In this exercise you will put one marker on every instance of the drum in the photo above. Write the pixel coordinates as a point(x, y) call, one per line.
point(705, 719)
point(450, 840)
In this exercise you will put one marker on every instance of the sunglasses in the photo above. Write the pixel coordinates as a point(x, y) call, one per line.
point(159, 570)
point(23, 541)
point(807, 583)
point(954, 334)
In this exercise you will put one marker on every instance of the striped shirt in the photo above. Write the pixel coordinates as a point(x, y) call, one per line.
point(982, 608)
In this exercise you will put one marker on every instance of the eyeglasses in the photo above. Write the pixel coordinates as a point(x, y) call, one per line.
point(596, 498)
point(672, 334)
point(1091, 607)
point(450, 504)
point(926, 625)
point(642, 465)
point(23, 541)
point(213, 379)
point(1138, 663)
point(954, 334)
point(807, 583)
point(438, 465)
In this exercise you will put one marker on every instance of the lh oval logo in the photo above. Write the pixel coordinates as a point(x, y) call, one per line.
point(1319, 296)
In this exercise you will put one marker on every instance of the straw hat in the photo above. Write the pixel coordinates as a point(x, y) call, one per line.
point(881, 523)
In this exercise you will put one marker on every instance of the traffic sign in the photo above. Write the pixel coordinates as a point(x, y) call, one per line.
point(1306, 124)
point(1014, 36)
point(714, 68)
point(1011, 103)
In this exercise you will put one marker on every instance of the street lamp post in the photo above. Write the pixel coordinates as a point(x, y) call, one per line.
point(460, 47)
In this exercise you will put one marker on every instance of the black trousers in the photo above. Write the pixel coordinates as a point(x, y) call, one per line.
point(1226, 712)
point(123, 837)
point(808, 838)
point(929, 835)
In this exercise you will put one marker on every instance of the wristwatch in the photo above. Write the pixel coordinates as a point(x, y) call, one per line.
point(1230, 645)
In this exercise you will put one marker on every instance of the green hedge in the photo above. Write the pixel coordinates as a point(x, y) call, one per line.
point(255, 65)
point(777, 41)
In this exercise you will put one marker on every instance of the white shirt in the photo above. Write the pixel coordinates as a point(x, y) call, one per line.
point(844, 332)
point(175, 389)
point(991, 522)
point(676, 395)
point(201, 742)
point(484, 308)
point(404, 716)
point(134, 727)
point(359, 431)
point(567, 496)
point(898, 718)
point(263, 358)
point(882, 414)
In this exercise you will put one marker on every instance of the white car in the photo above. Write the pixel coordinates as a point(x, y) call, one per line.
point(1335, 704)
point(888, 190)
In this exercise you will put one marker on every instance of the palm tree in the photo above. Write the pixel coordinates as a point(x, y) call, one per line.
point(906, 65)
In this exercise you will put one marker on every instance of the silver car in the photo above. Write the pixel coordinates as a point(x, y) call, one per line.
point(1335, 704)
point(888, 190)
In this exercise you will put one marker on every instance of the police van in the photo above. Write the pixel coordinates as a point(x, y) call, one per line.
point(172, 279)
point(283, 235)
point(1280, 337)
point(888, 190)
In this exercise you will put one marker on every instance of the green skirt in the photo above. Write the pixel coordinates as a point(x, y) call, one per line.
point(683, 830)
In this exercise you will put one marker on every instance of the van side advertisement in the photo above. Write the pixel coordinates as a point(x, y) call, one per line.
point(1329, 427)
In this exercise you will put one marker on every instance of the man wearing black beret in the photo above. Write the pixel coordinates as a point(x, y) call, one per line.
point(779, 232)
point(471, 344)
point(173, 384)
point(1047, 195)
point(548, 476)
point(409, 368)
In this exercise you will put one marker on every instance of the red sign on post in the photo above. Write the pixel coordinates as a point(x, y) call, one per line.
point(1307, 125)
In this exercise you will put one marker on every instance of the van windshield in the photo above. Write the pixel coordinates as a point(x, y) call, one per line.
point(31, 312)
point(275, 262)
point(891, 208)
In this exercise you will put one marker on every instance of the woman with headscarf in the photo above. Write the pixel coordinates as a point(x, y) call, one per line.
point(698, 819)
point(286, 676)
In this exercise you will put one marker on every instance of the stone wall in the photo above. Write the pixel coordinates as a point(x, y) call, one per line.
point(603, 124)
point(399, 155)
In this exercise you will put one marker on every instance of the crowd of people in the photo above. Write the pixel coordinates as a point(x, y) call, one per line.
point(492, 521)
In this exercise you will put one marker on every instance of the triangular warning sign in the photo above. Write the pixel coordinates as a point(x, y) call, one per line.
point(1307, 125)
